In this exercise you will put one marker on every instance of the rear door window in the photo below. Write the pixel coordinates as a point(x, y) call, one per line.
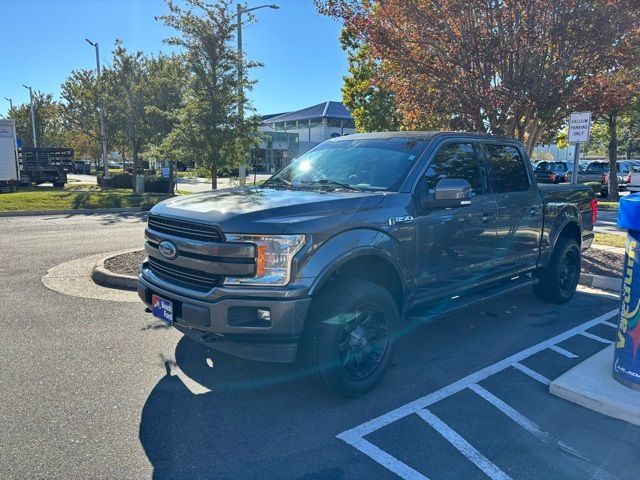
point(508, 169)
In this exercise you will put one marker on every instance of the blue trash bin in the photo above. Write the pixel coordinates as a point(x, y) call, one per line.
point(626, 358)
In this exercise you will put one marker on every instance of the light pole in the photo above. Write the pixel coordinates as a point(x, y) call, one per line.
point(10, 102)
point(240, 11)
point(99, 107)
point(33, 117)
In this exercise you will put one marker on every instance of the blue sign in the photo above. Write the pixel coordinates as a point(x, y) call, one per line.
point(18, 142)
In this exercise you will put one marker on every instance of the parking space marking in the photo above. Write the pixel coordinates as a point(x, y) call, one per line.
point(611, 324)
point(511, 412)
point(596, 338)
point(532, 373)
point(355, 436)
point(464, 447)
point(562, 351)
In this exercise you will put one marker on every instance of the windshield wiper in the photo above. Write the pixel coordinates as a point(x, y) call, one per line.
point(277, 181)
point(325, 182)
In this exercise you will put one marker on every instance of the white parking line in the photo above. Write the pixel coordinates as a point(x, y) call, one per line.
point(532, 373)
point(511, 412)
point(611, 324)
point(354, 436)
point(562, 351)
point(464, 447)
point(596, 338)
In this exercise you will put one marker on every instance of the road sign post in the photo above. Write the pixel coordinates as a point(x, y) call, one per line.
point(579, 132)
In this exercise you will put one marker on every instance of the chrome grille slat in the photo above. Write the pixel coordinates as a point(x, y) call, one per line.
point(185, 229)
point(183, 276)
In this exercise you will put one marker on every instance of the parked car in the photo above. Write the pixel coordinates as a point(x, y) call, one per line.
point(551, 172)
point(592, 171)
point(335, 256)
point(625, 169)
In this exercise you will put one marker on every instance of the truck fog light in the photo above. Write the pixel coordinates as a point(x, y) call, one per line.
point(263, 314)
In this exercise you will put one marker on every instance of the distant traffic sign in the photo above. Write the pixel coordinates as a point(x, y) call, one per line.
point(579, 127)
point(165, 172)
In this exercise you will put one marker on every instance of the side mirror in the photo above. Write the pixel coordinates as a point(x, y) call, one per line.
point(452, 192)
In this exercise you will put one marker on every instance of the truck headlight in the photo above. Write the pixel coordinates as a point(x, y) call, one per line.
point(274, 254)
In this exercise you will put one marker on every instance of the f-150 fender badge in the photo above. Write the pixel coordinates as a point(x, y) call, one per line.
point(401, 220)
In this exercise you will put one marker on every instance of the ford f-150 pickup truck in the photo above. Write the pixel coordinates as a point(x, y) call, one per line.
point(347, 247)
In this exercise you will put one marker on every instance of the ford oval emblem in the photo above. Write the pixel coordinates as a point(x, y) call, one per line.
point(168, 249)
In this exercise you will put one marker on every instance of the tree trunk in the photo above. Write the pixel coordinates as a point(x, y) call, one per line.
point(135, 167)
point(214, 175)
point(612, 124)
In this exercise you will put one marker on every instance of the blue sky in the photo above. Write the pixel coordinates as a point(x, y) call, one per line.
point(43, 40)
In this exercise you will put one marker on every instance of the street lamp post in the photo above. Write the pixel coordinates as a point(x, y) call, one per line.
point(240, 11)
point(99, 107)
point(33, 117)
point(10, 102)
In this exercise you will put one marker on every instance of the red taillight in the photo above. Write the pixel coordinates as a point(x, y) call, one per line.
point(605, 178)
point(566, 177)
point(627, 179)
point(552, 177)
point(594, 211)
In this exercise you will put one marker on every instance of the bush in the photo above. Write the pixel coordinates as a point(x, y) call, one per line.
point(125, 180)
point(116, 180)
point(595, 186)
point(156, 184)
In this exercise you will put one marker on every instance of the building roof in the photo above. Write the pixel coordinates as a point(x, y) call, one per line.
point(321, 110)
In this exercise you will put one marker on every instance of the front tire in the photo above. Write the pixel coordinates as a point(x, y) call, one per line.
point(559, 280)
point(350, 341)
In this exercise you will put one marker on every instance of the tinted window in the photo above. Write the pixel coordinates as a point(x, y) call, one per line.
point(596, 167)
point(551, 166)
point(508, 170)
point(456, 160)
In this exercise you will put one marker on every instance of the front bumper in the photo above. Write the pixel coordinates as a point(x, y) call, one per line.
point(220, 324)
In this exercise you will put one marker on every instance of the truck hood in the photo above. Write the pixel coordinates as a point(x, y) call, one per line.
point(268, 211)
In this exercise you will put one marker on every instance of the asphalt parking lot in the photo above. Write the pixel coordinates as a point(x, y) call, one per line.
point(98, 389)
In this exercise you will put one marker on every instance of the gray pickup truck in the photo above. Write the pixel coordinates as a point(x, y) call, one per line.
point(348, 247)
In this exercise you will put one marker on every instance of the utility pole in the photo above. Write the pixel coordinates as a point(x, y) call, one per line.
point(103, 137)
point(240, 11)
point(33, 117)
point(10, 102)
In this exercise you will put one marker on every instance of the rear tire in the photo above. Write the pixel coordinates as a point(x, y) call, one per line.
point(559, 280)
point(350, 337)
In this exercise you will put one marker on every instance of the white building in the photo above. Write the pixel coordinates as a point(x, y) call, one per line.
point(313, 125)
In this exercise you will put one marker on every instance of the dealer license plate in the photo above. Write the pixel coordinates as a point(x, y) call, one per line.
point(162, 309)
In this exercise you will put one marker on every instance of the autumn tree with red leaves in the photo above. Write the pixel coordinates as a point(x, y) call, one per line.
point(506, 67)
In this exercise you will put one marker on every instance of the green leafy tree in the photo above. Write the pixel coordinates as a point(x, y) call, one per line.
point(372, 105)
point(209, 129)
point(49, 124)
point(80, 114)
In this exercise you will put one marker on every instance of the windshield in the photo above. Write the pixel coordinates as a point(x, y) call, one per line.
point(363, 164)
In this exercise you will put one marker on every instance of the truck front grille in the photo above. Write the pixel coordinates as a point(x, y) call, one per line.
point(185, 229)
point(184, 277)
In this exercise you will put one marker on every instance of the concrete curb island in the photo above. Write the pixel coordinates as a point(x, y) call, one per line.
point(107, 278)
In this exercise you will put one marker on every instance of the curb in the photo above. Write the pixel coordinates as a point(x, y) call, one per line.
point(80, 211)
point(601, 282)
point(591, 384)
point(109, 279)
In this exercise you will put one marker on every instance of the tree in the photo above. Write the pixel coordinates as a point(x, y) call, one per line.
point(124, 100)
point(503, 67)
point(372, 105)
point(80, 114)
point(209, 129)
point(49, 125)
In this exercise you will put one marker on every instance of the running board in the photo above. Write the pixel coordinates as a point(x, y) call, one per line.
point(432, 311)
